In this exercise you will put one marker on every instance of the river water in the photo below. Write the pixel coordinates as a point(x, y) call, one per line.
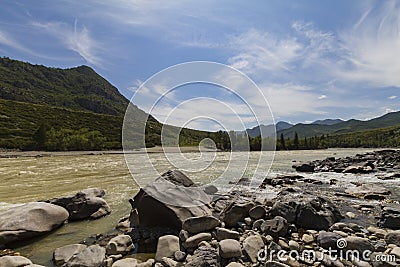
point(26, 179)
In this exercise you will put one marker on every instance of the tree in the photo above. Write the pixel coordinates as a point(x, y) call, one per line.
point(282, 141)
point(40, 137)
point(296, 141)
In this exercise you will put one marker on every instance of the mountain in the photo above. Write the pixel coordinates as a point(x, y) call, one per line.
point(71, 109)
point(282, 125)
point(326, 122)
point(79, 88)
point(268, 130)
point(309, 130)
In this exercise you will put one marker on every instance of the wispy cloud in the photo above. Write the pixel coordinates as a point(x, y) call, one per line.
point(372, 47)
point(6, 39)
point(263, 51)
point(74, 38)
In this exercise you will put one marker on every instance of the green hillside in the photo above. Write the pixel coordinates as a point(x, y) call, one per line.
point(79, 88)
point(71, 109)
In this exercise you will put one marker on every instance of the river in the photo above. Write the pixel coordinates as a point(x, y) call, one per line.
point(27, 179)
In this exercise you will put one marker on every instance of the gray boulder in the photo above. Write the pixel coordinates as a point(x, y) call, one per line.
point(121, 244)
point(305, 167)
point(92, 256)
point(14, 261)
point(328, 240)
point(33, 219)
point(287, 210)
point(235, 212)
point(230, 248)
point(390, 217)
point(166, 247)
point(276, 227)
point(251, 246)
point(393, 238)
point(358, 243)
point(223, 233)
point(203, 257)
point(317, 214)
point(154, 202)
point(63, 254)
point(86, 204)
point(128, 262)
point(257, 212)
point(196, 225)
point(194, 241)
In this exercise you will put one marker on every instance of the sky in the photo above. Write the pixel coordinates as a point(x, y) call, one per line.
point(310, 59)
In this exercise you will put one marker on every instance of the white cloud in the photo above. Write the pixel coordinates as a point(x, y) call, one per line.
point(202, 112)
point(75, 39)
point(392, 97)
point(261, 51)
point(372, 47)
point(292, 99)
point(322, 97)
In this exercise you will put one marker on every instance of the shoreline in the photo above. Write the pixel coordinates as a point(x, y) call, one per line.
point(158, 149)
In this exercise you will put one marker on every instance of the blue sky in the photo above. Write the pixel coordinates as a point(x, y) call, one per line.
point(311, 59)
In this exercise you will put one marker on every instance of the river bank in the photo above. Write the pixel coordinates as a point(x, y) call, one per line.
point(109, 170)
point(158, 149)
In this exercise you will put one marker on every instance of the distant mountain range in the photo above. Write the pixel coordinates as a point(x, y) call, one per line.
point(327, 121)
point(326, 126)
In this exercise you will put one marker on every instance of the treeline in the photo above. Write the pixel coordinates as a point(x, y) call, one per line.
point(68, 140)
point(382, 137)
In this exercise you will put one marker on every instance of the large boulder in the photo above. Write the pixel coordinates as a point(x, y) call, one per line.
point(14, 261)
point(29, 220)
point(86, 204)
point(92, 256)
point(317, 214)
point(172, 197)
point(64, 254)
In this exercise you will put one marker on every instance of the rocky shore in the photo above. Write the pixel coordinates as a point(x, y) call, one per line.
point(306, 223)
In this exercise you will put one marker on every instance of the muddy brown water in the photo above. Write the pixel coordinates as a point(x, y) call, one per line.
point(26, 179)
